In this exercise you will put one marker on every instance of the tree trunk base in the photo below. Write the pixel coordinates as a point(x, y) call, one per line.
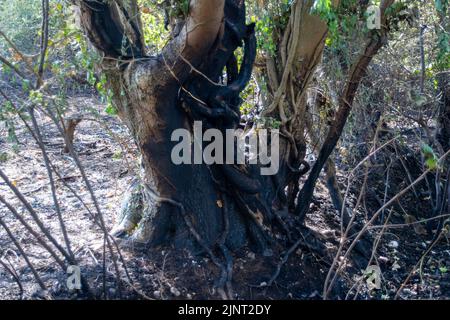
point(145, 219)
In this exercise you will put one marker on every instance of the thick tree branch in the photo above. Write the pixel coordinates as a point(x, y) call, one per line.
point(44, 41)
point(113, 27)
point(357, 72)
point(202, 29)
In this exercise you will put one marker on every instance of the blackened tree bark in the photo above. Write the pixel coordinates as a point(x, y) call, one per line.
point(443, 79)
point(357, 72)
point(443, 134)
point(217, 206)
point(289, 73)
point(194, 206)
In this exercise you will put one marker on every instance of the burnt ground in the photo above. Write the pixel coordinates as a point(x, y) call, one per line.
point(105, 149)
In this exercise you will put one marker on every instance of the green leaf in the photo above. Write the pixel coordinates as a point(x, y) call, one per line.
point(431, 160)
point(111, 110)
point(427, 150)
point(431, 164)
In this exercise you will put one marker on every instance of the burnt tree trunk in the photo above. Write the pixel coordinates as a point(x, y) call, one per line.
point(194, 206)
point(357, 72)
point(443, 134)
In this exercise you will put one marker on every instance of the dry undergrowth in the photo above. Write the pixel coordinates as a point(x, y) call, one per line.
point(109, 159)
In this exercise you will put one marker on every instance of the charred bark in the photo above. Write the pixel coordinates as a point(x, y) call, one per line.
point(200, 207)
point(347, 97)
point(443, 134)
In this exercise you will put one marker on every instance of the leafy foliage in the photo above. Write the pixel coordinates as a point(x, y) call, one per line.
point(22, 24)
